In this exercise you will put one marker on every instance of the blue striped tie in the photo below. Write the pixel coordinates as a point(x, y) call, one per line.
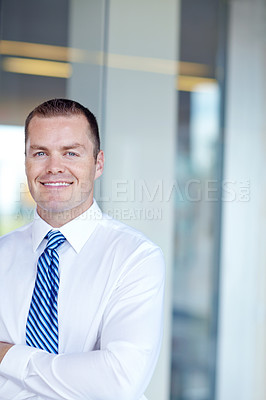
point(42, 322)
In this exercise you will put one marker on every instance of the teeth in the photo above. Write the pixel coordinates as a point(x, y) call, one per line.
point(57, 184)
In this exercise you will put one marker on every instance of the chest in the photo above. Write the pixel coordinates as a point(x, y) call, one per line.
point(86, 284)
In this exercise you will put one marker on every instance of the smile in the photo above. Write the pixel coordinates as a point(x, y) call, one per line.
point(56, 184)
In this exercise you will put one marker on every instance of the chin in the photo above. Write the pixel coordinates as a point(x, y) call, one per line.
point(53, 208)
point(58, 208)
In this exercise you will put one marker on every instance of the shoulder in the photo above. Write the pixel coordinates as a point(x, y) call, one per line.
point(124, 230)
point(137, 257)
point(128, 238)
point(16, 236)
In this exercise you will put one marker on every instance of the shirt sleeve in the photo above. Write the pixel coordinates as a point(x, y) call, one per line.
point(130, 339)
point(10, 390)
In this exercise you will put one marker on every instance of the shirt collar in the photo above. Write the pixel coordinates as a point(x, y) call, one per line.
point(76, 232)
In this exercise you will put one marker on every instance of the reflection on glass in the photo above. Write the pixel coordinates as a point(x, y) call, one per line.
point(196, 268)
point(204, 127)
point(30, 73)
point(16, 205)
point(194, 260)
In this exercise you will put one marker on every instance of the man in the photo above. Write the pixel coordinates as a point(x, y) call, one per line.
point(80, 294)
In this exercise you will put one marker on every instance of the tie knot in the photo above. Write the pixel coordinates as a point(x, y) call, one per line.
point(55, 239)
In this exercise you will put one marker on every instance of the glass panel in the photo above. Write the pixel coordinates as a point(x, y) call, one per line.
point(31, 71)
point(36, 64)
point(198, 203)
point(30, 52)
point(14, 202)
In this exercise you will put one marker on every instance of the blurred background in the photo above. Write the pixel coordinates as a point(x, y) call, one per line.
point(178, 88)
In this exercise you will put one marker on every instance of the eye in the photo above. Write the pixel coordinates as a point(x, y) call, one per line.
point(71, 153)
point(39, 154)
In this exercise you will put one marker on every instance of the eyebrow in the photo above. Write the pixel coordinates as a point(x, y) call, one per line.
point(70, 146)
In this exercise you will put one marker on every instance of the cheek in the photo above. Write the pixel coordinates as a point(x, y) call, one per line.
point(28, 169)
point(31, 171)
point(85, 172)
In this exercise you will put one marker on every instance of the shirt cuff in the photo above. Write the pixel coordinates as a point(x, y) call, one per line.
point(15, 363)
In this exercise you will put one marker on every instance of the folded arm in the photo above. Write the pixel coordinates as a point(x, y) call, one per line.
point(4, 347)
point(129, 347)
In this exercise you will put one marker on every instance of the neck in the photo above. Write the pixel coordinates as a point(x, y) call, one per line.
point(58, 219)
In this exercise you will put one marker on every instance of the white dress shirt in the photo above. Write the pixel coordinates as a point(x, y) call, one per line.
point(110, 305)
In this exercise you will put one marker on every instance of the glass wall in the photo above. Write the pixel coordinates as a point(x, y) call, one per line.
point(62, 49)
point(101, 54)
point(198, 171)
point(39, 62)
point(34, 68)
point(241, 366)
point(119, 59)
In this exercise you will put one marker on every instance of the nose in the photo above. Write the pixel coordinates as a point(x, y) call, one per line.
point(54, 165)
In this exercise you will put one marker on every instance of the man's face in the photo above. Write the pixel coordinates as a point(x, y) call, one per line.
point(60, 165)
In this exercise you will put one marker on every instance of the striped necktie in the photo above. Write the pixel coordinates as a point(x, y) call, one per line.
point(42, 322)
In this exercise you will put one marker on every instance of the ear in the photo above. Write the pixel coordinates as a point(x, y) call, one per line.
point(99, 164)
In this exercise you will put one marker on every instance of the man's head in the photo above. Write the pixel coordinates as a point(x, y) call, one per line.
point(66, 108)
point(63, 159)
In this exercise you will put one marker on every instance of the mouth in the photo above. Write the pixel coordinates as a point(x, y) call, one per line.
point(56, 184)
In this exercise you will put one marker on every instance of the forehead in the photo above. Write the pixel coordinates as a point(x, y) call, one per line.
point(59, 131)
point(72, 123)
